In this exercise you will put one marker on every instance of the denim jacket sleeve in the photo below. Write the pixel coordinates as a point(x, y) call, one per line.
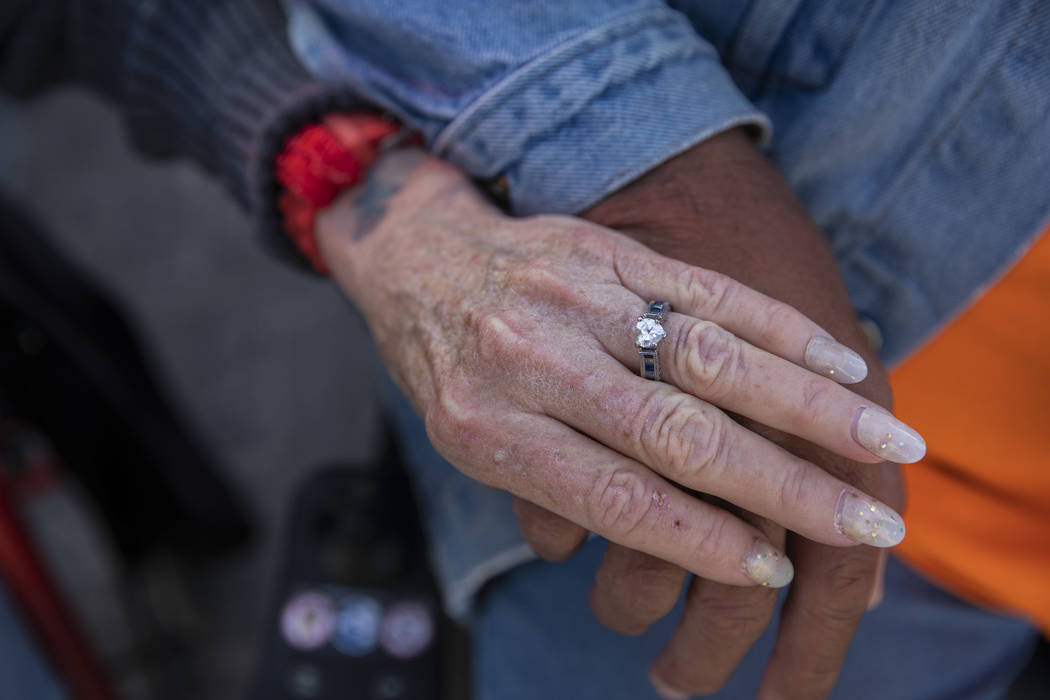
point(568, 100)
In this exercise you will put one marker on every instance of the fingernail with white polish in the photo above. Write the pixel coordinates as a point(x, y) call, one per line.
point(868, 521)
point(884, 436)
point(666, 691)
point(835, 360)
point(768, 566)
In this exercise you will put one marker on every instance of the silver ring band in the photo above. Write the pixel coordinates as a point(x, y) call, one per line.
point(650, 332)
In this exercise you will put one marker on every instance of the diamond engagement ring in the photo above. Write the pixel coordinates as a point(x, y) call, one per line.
point(650, 333)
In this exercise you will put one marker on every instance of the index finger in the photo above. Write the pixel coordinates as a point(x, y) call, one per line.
point(826, 603)
point(718, 627)
point(824, 607)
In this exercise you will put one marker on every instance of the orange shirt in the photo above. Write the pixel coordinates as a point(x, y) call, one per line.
point(978, 512)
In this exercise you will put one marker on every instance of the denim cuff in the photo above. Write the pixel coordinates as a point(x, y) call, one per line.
point(576, 124)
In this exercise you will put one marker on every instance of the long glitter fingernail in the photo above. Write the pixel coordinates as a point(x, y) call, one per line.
point(835, 360)
point(868, 521)
point(884, 436)
point(768, 566)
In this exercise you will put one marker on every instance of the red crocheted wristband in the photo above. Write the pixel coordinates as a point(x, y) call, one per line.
point(319, 162)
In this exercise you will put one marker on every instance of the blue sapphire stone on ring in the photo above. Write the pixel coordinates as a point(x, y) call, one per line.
point(650, 332)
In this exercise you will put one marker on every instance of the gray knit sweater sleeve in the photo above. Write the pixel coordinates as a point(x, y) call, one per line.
point(213, 80)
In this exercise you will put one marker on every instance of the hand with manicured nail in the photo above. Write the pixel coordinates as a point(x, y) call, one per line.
point(688, 209)
point(513, 337)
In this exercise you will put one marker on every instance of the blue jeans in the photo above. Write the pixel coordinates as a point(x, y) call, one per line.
point(535, 637)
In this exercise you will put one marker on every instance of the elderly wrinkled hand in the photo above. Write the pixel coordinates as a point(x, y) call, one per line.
point(516, 340)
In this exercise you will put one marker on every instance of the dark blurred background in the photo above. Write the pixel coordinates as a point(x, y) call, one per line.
point(267, 367)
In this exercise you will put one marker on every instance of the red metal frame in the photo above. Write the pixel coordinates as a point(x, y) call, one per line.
point(55, 627)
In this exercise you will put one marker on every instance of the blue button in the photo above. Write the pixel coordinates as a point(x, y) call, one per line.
point(357, 626)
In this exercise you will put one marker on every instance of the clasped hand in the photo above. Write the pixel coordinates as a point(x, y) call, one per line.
point(514, 339)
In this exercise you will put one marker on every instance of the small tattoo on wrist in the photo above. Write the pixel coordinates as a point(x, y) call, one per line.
point(369, 206)
point(383, 182)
